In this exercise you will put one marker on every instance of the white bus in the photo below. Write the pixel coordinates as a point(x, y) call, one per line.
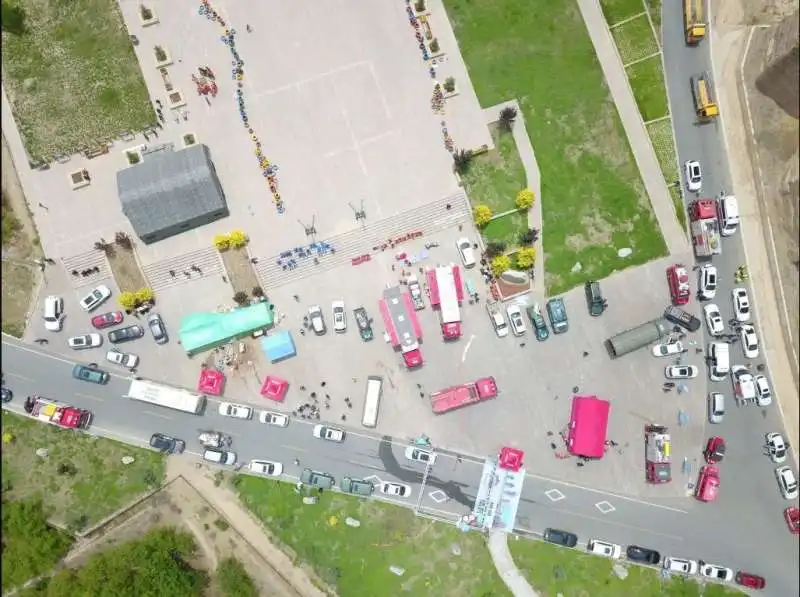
point(372, 401)
point(160, 395)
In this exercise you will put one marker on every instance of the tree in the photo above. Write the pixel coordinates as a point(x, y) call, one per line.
point(222, 242)
point(525, 199)
point(530, 236)
point(123, 240)
point(500, 264)
point(449, 85)
point(127, 300)
point(482, 215)
point(462, 159)
point(234, 580)
point(434, 46)
point(237, 239)
point(12, 18)
point(258, 292)
point(103, 246)
point(507, 117)
point(144, 296)
point(240, 298)
point(526, 257)
point(495, 248)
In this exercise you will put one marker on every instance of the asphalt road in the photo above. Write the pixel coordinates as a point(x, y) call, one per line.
point(749, 510)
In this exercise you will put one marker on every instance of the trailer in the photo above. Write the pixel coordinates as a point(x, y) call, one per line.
point(446, 294)
point(694, 22)
point(706, 236)
point(703, 94)
point(402, 326)
point(638, 337)
point(658, 454)
point(469, 393)
point(57, 413)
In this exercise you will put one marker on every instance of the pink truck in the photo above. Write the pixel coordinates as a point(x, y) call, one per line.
point(469, 393)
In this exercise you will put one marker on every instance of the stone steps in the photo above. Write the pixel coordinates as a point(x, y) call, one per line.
point(84, 261)
point(428, 219)
point(208, 260)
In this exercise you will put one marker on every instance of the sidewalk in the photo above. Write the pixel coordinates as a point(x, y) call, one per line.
point(641, 147)
point(506, 568)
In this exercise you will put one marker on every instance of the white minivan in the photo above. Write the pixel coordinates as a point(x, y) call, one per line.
point(719, 362)
point(728, 209)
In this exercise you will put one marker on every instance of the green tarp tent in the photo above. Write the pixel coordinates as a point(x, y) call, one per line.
point(203, 331)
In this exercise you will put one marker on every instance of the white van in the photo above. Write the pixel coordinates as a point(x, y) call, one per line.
point(728, 209)
point(53, 313)
point(372, 401)
point(219, 457)
point(719, 364)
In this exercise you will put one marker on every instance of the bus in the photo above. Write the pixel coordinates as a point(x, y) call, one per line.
point(161, 395)
point(372, 401)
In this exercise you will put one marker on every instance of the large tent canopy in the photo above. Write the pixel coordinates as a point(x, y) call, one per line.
point(588, 425)
point(205, 330)
point(279, 346)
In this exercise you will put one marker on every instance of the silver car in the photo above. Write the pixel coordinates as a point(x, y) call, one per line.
point(156, 325)
point(716, 407)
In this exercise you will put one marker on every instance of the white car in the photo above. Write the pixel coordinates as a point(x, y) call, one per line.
point(744, 385)
point(265, 467)
point(332, 434)
point(398, 489)
point(707, 285)
point(85, 341)
point(317, 320)
point(604, 548)
point(466, 251)
point(417, 455)
point(716, 326)
point(515, 319)
point(95, 298)
point(680, 565)
point(667, 349)
point(787, 482)
point(716, 572)
point(53, 313)
point(776, 447)
point(236, 411)
point(741, 304)
point(339, 316)
point(749, 341)
point(681, 372)
point(219, 457)
point(716, 407)
point(694, 176)
point(499, 324)
point(123, 359)
point(271, 418)
point(763, 393)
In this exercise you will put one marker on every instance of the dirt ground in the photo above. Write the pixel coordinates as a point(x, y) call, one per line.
point(192, 501)
point(240, 271)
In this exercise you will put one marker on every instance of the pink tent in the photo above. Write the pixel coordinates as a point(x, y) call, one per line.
point(511, 459)
point(588, 424)
point(274, 388)
point(211, 382)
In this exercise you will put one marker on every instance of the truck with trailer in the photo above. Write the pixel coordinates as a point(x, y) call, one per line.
point(402, 326)
point(705, 102)
point(658, 458)
point(446, 294)
point(638, 337)
point(706, 236)
point(694, 21)
point(57, 413)
point(449, 399)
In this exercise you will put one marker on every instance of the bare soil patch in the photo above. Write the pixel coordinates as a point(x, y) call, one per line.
point(126, 270)
point(240, 271)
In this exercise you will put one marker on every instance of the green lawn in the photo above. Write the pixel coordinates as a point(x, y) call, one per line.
point(619, 10)
point(647, 81)
point(356, 561)
point(506, 229)
point(72, 76)
point(654, 8)
point(98, 483)
point(494, 178)
point(635, 39)
point(677, 202)
point(664, 145)
point(554, 570)
point(593, 201)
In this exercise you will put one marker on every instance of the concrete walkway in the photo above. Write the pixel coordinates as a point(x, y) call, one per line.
point(639, 140)
point(533, 178)
point(501, 556)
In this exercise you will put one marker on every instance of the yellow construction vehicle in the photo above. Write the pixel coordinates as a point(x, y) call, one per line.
point(695, 26)
point(703, 94)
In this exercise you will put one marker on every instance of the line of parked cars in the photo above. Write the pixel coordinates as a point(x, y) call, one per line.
point(652, 557)
point(315, 320)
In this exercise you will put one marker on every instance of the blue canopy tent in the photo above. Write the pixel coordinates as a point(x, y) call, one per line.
point(279, 346)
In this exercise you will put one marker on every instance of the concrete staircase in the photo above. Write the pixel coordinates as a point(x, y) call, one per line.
point(87, 261)
point(427, 219)
point(208, 260)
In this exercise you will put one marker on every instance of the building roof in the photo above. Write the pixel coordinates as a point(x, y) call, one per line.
point(168, 188)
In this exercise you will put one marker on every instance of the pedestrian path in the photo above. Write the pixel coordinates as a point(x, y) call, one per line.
point(87, 268)
point(427, 219)
point(506, 568)
point(641, 146)
point(178, 270)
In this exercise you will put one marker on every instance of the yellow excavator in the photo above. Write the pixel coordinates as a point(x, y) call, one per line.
point(695, 25)
point(703, 93)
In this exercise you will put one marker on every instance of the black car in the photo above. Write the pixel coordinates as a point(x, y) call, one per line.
point(6, 394)
point(644, 555)
point(558, 537)
point(682, 318)
point(166, 444)
point(131, 332)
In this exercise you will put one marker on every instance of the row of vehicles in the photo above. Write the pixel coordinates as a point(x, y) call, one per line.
point(556, 311)
point(316, 320)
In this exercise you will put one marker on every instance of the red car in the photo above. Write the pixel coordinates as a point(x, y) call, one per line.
point(106, 320)
point(715, 450)
point(792, 516)
point(751, 581)
point(707, 484)
point(678, 281)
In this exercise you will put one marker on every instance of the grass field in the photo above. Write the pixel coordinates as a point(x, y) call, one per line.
point(72, 76)
point(494, 178)
point(593, 201)
point(98, 483)
point(507, 229)
point(557, 571)
point(619, 10)
point(647, 81)
point(635, 39)
point(356, 561)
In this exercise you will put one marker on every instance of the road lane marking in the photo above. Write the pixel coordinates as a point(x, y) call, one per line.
point(554, 495)
point(295, 448)
point(466, 348)
point(90, 397)
point(618, 524)
point(17, 376)
point(129, 438)
point(438, 496)
point(19, 346)
point(151, 413)
point(605, 507)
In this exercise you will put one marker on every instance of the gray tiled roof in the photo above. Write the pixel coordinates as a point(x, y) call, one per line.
point(168, 188)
